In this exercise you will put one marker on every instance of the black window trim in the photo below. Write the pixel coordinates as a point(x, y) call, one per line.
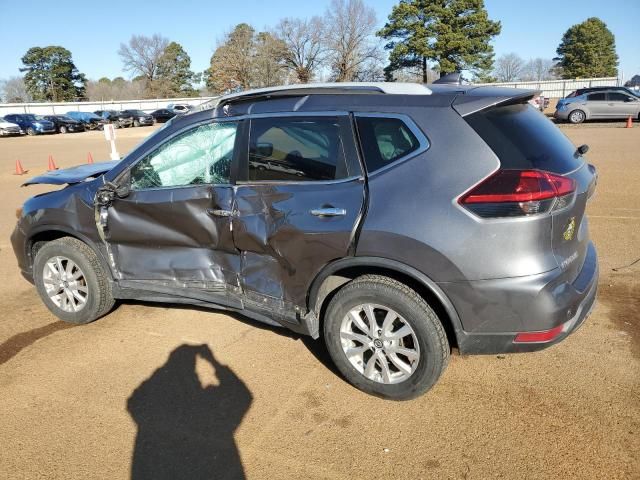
point(348, 143)
point(151, 150)
point(423, 140)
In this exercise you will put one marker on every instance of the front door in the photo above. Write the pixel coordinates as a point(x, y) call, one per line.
point(173, 230)
point(622, 105)
point(297, 208)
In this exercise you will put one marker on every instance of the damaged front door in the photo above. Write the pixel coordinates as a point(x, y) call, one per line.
point(172, 232)
point(297, 208)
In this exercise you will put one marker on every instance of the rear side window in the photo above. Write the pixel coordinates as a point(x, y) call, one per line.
point(522, 138)
point(384, 140)
point(597, 97)
point(618, 97)
point(296, 149)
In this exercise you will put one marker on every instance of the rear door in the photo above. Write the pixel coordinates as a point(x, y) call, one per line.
point(173, 231)
point(298, 206)
point(597, 105)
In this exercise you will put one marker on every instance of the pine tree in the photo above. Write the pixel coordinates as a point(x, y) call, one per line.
point(51, 74)
point(453, 34)
point(174, 76)
point(588, 49)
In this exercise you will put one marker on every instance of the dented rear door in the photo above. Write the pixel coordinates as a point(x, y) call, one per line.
point(298, 207)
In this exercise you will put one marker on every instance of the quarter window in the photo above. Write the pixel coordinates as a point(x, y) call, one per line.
point(296, 148)
point(385, 140)
point(201, 155)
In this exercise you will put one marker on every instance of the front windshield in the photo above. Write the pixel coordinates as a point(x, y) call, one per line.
point(30, 118)
point(137, 112)
point(64, 117)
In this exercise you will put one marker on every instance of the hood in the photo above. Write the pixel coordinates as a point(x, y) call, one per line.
point(8, 124)
point(72, 175)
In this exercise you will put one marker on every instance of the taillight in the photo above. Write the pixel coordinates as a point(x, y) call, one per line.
point(513, 193)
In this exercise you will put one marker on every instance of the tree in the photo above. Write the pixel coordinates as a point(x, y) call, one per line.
point(350, 26)
point(13, 90)
point(142, 57)
point(508, 67)
point(453, 34)
point(588, 49)
point(51, 74)
point(230, 68)
point(538, 69)
point(174, 76)
point(268, 60)
point(303, 40)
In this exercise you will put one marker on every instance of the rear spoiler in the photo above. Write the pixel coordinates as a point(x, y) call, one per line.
point(480, 98)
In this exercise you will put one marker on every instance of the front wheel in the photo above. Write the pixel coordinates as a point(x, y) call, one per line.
point(31, 131)
point(136, 123)
point(63, 129)
point(71, 281)
point(577, 116)
point(385, 339)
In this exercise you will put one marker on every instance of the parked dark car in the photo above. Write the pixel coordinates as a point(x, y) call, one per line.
point(65, 124)
point(118, 119)
point(398, 223)
point(91, 121)
point(581, 91)
point(162, 115)
point(31, 124)
point(139, 117)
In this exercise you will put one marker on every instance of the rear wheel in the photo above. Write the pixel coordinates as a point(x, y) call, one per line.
point(31, 131)
point(136, 123)
point(71, 281)
point(577, 116)
point(63, 129)
point(385, 339)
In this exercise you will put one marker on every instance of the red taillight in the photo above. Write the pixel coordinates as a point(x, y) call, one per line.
point(539, 337)
point(517, 192)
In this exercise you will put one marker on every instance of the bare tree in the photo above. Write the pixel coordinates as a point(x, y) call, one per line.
point(508, 67)
point(268, 62)
point(142, 56)
point(117, 89)
point(538, 69)
point(13, 90)
point(304, 48)
point(349, 38)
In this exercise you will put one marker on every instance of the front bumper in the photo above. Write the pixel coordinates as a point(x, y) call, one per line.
point(493, 312)
point(145, 121)
point(6, 132)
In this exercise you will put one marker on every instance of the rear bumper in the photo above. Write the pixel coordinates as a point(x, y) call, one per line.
point(493, 312)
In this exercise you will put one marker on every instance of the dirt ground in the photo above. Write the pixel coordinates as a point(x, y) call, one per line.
point(142, 389)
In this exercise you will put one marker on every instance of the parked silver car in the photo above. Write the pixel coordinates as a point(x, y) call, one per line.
point(605, 104)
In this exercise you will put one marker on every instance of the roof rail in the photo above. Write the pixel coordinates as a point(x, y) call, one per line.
point(329, 88)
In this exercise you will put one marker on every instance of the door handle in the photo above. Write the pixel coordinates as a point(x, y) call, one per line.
point(219, 213)
point(328, 212)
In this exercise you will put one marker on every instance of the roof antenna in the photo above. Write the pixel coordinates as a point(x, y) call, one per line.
point(454, 78)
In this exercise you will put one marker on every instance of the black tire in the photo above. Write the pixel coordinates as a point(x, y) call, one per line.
point(577, 116)
point(428, 329)
point(136, 123)
point(99, 298)
point(62, 129)
point(31, 131)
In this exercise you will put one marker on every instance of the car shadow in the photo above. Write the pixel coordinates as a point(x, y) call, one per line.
point(186, 429)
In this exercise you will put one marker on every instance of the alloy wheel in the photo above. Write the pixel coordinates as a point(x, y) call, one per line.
point(65, 284)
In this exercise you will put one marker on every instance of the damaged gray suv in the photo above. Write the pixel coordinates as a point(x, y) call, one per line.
point(395, 221)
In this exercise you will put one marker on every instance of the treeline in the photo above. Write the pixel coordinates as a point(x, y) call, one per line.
point(420, 40)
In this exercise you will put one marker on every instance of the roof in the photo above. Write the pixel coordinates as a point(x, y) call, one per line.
point(389, 88)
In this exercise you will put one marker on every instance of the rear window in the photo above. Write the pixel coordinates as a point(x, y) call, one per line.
point(523, 138)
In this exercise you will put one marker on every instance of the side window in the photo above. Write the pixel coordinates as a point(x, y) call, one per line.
point(596, 97)
point(617, 97)
point(201, 155)
point(296, 148)
point(384, 140)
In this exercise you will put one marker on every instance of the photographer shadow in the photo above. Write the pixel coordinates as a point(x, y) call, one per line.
point(186, 430)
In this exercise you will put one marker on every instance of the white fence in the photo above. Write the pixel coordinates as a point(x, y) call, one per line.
point(560, 88)
point(64, 107)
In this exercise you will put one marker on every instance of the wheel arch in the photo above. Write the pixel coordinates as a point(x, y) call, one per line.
point(339, 272)
point(48, 233)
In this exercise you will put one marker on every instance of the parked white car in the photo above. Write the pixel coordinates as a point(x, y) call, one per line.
point(8, 128)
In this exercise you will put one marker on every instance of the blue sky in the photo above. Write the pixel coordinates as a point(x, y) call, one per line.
point(93, 30)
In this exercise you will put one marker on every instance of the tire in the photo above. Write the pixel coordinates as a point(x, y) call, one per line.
point(62, 129)
point(31, 131)
point(427, 338)
point(94, 279)
point(577, 116)
point(136, 123)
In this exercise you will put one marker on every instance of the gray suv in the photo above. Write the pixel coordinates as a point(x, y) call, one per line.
point(394, 221)
point(598, 105)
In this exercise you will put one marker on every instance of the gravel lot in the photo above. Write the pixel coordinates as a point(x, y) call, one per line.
point(75, 401)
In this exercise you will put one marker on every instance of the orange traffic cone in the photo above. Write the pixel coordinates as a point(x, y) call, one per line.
point(89, 158)
point(19, 169)
point(629, 122)
point(52, 164)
